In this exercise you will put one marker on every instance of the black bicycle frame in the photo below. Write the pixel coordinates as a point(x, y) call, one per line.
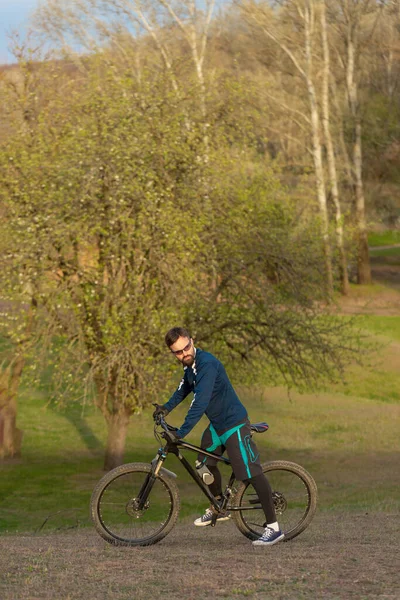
point(174, 447)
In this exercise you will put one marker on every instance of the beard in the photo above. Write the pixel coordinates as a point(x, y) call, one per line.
point(188, 360)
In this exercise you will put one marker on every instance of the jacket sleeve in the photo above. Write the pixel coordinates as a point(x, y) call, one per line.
point(184, 388)
point(203, 392)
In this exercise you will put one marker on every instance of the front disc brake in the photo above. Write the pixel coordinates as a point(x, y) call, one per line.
point(133, 510)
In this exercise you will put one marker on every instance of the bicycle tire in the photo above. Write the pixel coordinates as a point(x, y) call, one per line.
point(253, 529)
point(124, 478)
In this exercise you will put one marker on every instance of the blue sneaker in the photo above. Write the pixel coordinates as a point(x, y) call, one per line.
point(269, 537)
point(206, 519)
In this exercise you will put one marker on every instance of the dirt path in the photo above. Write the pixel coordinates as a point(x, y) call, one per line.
point(386, 302)
point(387, 275)
point(387, 247)
point(338, 557)
point(385, 270)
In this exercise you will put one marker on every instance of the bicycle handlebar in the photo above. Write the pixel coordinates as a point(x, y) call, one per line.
point(159, 420)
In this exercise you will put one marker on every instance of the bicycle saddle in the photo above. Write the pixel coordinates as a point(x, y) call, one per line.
point(259, 427)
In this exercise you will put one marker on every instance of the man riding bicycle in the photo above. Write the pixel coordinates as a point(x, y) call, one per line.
point(229, 427)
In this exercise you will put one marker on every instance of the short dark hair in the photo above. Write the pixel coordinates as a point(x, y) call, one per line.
point(173, 334)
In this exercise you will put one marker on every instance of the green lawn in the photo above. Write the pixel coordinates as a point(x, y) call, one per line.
point(384, 238)
point(378, 378)
point(386, 326)
point(347, 436)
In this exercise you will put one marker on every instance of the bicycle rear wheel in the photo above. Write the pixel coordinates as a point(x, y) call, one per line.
point(294, 492)
point(115, 511)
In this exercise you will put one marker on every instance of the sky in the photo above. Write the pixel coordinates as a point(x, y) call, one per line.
point(14, 14)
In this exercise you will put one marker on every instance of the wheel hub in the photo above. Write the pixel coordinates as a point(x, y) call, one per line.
point(133, 510)
point(280, 502)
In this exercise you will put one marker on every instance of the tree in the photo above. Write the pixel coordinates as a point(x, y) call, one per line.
point(352, 21)
point(20, 89)
point(102, 196)
point(331, 158)
point(14, 357)
point(303, 64)
point(10, 434)
point(90, 23)
point(97, 197)
point(172, 27)
point(267, 312)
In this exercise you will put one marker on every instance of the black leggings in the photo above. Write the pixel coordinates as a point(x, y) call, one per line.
point(216, 486)
point(261, 485)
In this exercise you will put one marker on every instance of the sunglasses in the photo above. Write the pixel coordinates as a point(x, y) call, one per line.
point(185, 349)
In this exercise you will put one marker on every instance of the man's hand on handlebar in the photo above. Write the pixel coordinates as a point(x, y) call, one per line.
point(159, 412)
point(169, 432)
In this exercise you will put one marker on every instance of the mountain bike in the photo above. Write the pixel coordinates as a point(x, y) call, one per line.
point(137, 504)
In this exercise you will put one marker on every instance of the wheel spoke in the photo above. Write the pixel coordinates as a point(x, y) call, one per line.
point(114, 503)
point(294, 495)
point(118, 516)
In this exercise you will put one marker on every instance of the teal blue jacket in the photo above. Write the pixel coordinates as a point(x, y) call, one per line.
point(213, 396)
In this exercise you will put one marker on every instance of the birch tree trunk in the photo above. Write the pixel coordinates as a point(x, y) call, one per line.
point(309, 21)
point(342, 142)
point(344, 279)
point(196, 38)
point(363, 263)
point(388, 45)
point(306, 13)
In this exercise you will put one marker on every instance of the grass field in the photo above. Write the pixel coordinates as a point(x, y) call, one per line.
point(346, 436)
point(390, 252)
point(384, 238)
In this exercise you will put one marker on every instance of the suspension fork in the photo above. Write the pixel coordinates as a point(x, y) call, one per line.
point(149, 481)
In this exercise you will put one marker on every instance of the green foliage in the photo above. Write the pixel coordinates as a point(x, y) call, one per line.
point(97, 196)
point(126, 215)
point(382, 129)
point(265, 313)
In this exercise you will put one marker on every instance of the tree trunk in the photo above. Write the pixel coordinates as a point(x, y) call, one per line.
point(307, 14)
point(115, 449)
point(10, 435)
point(342, 143)
point(344, 279)
point(316, 147)
point(363, 262)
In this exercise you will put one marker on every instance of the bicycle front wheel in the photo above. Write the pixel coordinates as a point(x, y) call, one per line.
point(117, 514)
point(294, 493)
